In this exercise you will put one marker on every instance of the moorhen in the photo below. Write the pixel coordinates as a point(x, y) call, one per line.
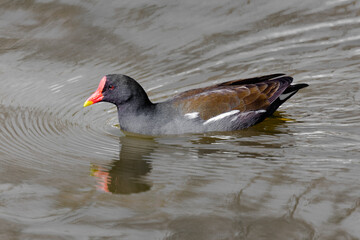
point(226, 106)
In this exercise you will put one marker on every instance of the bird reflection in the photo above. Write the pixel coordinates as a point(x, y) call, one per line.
point(127, 174)
point(274, 125)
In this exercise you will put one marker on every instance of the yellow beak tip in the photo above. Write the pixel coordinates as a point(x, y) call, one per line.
point(88, 103)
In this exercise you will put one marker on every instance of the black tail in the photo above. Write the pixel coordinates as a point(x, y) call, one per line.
point(294, 88)
point(288, 93)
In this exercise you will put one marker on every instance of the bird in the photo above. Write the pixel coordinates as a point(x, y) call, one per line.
point(227, 106)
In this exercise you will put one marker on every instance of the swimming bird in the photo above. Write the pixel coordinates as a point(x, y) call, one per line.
point(226, 106)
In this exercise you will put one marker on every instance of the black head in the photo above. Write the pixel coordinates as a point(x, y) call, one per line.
point(120, 90)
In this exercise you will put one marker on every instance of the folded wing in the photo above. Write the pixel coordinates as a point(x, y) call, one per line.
point(243, 95)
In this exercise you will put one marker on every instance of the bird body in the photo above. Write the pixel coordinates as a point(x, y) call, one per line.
point(226, 106)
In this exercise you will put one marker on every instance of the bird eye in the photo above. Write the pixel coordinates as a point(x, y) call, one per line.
point(111, 87)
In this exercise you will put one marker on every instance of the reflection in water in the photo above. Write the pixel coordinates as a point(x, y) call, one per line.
point(276, 180)
point(127, 174)
point(271, 127)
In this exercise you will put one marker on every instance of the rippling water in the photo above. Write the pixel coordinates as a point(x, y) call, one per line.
point(70, 173)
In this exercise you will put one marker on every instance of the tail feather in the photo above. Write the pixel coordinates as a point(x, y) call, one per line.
point(288, 93)
point(295, 87)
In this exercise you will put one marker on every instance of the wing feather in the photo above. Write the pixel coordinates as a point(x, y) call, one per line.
point(243, 95)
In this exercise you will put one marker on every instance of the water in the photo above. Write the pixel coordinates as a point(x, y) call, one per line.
point(70, 173)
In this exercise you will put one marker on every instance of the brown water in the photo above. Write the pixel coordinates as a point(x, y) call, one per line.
point(69, 173)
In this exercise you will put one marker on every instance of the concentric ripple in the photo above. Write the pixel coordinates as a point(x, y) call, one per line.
point(63, 134)
point(29, 133)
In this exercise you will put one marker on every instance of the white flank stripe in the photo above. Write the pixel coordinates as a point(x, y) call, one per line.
point(221, 116)
point(191, 115)
point(260, 111)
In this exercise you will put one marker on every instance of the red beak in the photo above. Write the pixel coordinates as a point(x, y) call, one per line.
point(97, 95)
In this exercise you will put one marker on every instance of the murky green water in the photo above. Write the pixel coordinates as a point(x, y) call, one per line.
point(69, 173)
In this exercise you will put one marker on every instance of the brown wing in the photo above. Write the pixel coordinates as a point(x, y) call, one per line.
point(234, 95)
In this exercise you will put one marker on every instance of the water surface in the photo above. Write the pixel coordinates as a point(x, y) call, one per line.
point(70, 173)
